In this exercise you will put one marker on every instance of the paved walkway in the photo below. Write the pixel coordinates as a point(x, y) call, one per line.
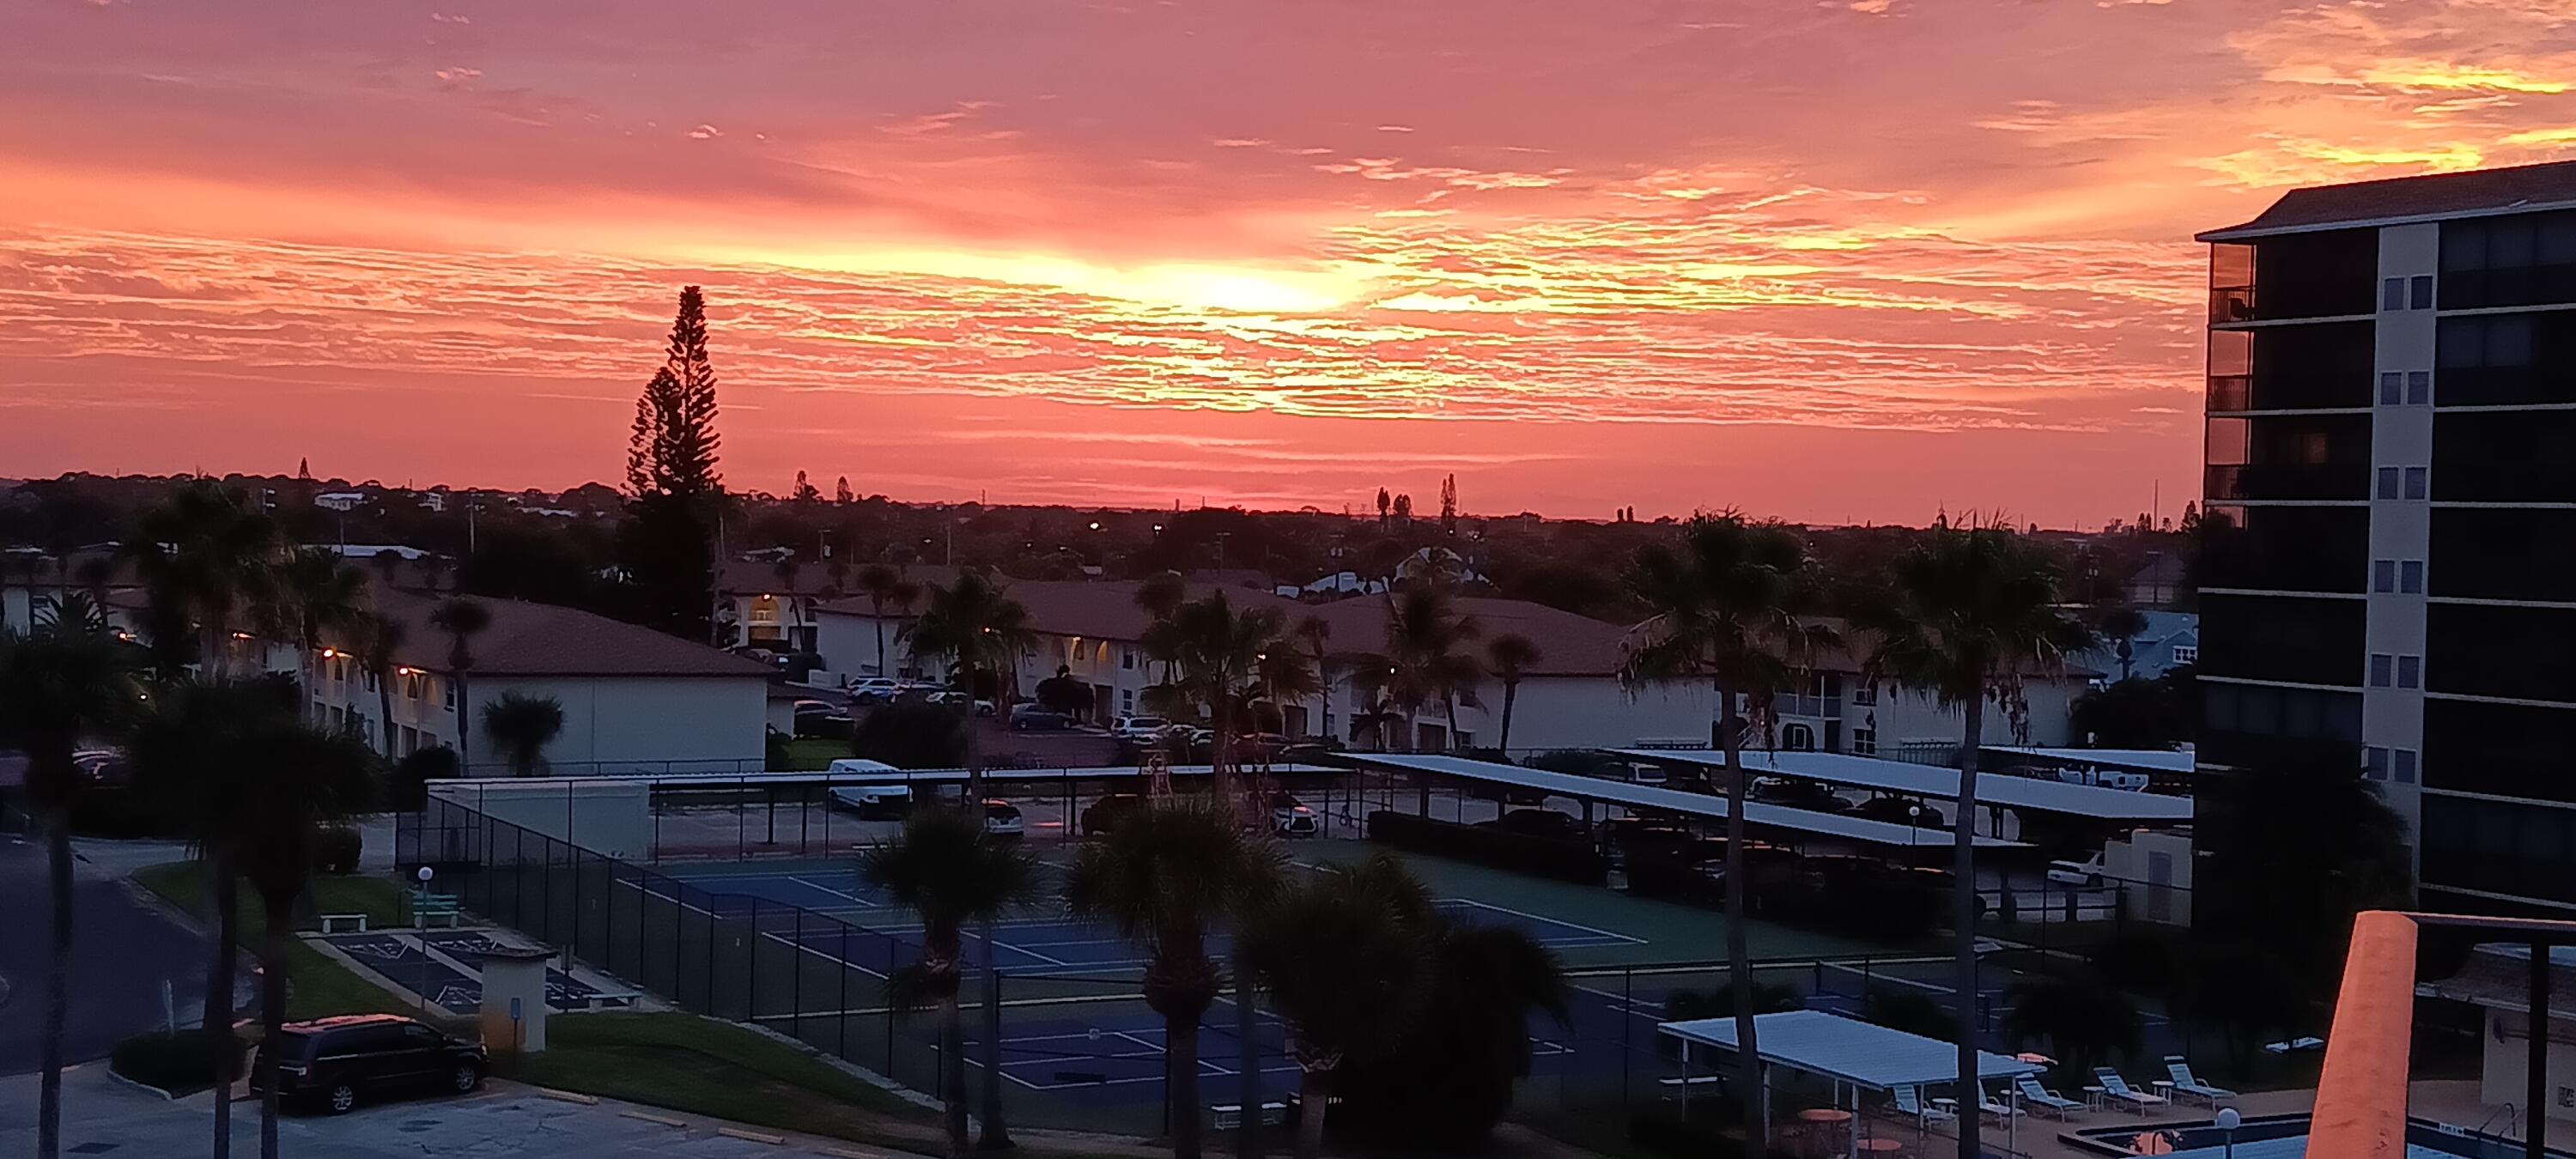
point(123, 950)
point(105, 1117)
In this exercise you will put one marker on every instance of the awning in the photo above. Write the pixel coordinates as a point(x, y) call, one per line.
point(1863, 1054)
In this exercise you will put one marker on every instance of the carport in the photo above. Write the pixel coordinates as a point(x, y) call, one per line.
point(1595, 790)
point(1933, 782)
point(1854, 1056)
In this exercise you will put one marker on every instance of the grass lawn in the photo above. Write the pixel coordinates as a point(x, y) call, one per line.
point(316, 986)
point(690, 1063)
point(813, 754)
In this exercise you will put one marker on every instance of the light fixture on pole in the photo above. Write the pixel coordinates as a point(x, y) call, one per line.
point(422, 923)
point(2228, 1121)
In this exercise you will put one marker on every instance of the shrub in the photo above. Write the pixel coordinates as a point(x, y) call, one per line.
point(911, 736)
point(336, 849)
point(1574, 861)
point(191, 1060)
point(777, 755)
point(435, 763)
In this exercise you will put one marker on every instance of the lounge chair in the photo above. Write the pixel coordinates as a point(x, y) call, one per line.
point(2043, 1099)
point(1993, 1107)
point(2118, 1090)
point(1909, 1103)
point(2185, 1084)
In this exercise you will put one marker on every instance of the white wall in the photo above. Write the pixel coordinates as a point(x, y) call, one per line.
point(1913, 717)
point(1594, 711)
point(2502, 1081)
point(848, 644)
point(638, 724)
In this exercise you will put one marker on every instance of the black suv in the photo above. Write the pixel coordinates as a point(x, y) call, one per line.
point(334, 1062)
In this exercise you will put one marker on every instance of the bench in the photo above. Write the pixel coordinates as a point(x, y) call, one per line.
point(331, 923)
point(1229, 1116)
point(437, 905)
point(1680, 1088)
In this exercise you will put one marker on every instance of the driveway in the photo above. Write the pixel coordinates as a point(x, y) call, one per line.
point(103, 1117)
point(123, 951)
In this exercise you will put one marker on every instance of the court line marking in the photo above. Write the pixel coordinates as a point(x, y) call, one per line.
point(793, 943)
point(1594, 930)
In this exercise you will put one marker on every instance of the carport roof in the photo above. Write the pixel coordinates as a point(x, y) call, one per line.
point(1863, 1054)
point(1937, 782)
point(1673, 801)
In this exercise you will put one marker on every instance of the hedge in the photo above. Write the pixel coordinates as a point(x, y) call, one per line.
point(336, 850)
point(1574, 861)
point(191, 1060)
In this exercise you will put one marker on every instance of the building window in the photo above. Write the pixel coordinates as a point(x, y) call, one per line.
point(371, 680)
point(1864, 741)
point(447, 693)
point(2410, 672)
point(1127, 659)
point(2410, 577)
point(2383, 669)
point(2402, 765)
point(2374, 763)
point(2383, 575)
point(2388, 482)
point(411, 744)
point(2418, 482)
point(2392, 294)
point(1798, 738)
point(2185, 654)
point(2392, 388)
point(2419, 292)
point(2419, 388)
point(1127, 704)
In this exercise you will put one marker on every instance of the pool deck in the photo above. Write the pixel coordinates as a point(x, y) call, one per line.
point(2447, 1100)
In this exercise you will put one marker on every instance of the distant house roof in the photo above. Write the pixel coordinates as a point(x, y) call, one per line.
point(1094, 609)
point(1568, 644)
point(760, 577)
point(528, 639)
point(2398, 200)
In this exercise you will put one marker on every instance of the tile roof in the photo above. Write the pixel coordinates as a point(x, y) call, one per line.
point(528, 639)
point(2412, 198)
point(1096, 609)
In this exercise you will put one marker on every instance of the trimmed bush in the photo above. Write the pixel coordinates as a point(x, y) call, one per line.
point(336, 850)
point(1574, 861)
point(191, 1060)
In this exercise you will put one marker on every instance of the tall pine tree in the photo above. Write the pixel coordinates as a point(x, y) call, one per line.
point(668, 541)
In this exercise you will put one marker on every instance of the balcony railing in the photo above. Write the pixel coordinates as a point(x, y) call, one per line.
point(2231, 304)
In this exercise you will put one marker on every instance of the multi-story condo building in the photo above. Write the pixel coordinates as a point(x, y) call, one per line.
point(2390, 571)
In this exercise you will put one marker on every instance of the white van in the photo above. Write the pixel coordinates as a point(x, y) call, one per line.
point(870, 799)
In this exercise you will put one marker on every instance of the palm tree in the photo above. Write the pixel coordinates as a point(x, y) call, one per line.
point(63, 682)
point(948, 871)
point(462, 619)
point(320, 592)
point(2121, 626)
point(1345, 964)
point(1509, 657)
point(1317, 634)
point(377, 638)
point(977, 628)
point(207, 550)
point(1163, 878)
point(190, 762)
point(1968, 612)
point(1729, 603)
point(1223, 661)
point(521, 727)
point(306, 778)
point(1424, 635)
point(884, 588)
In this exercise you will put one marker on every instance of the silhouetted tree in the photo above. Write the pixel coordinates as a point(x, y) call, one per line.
point(667, 543)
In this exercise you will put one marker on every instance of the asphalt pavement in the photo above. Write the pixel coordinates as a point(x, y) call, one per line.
point(123, 950)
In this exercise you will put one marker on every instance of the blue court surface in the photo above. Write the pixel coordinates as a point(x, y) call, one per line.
point(876, 937)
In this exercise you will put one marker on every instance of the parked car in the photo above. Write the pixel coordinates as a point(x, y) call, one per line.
point(1002, 818)
point(1641, 772)
point(1539, 823)
point(1104, 814)
point(1289, 817)
point(875, 690)
point(1140, 729)
point(1037, 718)
point(822, 718)
point(2084, 874)
point(868, 800)
point(1795, 793)
point(333, 1063)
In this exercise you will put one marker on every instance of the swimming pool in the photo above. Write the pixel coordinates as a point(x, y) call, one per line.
point(2282, 1137)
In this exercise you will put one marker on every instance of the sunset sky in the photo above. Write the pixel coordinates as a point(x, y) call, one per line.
point(1839, 261)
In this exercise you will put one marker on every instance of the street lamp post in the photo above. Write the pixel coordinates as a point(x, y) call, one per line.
point(2228, 1121)
point(421, 923)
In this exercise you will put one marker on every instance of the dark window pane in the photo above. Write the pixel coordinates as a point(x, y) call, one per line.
point(2491, 554)
point(2419, 292)
point(2309, 640)
point(2505, 456)
point(2301, 549)
point(2290, 457)
point(2487, 650)
point(2510, 750)
point(2465, 847)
